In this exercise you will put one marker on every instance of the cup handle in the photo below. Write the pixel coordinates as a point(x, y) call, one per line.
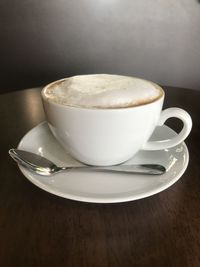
point(166, 114)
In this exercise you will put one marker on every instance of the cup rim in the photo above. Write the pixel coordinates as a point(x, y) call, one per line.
point(161, 96)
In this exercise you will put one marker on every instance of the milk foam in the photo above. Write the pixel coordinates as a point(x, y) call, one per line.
point(103, 91)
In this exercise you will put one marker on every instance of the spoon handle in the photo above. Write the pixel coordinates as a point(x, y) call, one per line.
point(134, 168)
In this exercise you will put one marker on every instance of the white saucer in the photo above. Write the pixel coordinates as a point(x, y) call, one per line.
point(100, 187)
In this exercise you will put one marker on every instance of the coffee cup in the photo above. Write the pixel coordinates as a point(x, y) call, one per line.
point(105, 134)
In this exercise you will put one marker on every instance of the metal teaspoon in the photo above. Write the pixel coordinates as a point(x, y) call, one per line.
point(43, 166)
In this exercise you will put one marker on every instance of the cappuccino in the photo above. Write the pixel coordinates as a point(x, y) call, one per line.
point(102, 91)
point(103, 130)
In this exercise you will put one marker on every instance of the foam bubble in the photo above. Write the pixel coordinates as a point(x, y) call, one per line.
point(103, 91)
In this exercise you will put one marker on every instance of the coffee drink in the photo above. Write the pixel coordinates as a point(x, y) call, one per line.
point(106, 119)
point(103, 91)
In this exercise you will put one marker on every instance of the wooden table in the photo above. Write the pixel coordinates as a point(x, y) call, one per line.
point(40, 229)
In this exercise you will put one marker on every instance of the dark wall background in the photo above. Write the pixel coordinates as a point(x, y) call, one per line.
point(46, 40)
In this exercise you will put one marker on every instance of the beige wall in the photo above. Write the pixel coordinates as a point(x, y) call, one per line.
point(45, 40)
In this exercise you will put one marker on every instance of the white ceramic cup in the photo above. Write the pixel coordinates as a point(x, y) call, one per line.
point(111, 136)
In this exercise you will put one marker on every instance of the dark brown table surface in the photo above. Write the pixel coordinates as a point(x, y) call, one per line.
point(40, 229)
